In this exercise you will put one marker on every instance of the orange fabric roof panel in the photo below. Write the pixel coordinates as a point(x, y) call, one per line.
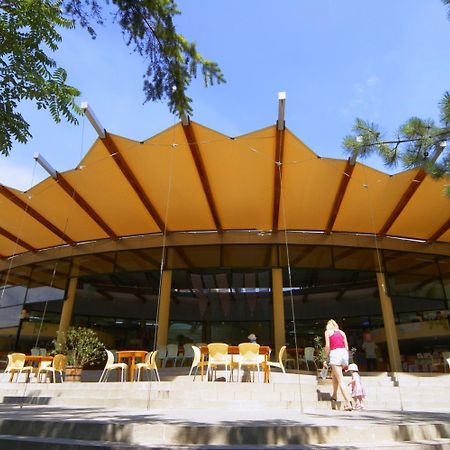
point(105, 188)
point(370, 198)
point(421, 222)
point(166, 170)
point(240, 172)
point(52, 202)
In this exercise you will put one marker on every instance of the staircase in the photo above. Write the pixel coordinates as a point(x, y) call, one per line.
point(293, 411)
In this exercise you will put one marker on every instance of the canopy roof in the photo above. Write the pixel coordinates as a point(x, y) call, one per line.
point(191, 178)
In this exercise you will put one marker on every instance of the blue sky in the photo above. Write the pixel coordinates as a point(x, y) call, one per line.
point(383, 61)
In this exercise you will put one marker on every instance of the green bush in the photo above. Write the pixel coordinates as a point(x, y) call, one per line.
point(81, 345)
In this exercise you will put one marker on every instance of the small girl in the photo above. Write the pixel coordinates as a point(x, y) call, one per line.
point(357, 388)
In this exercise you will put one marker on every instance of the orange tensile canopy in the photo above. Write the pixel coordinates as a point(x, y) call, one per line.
point(191, 178)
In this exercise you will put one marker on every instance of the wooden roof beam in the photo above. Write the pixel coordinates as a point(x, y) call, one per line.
point(279, 151)
point(133, 181)
point(122, 165)
point(12, 197)
point(17, 240)
point(345, 179)
point(405, 198)
point(439, 232)
point(201, 170)
point(74, 195)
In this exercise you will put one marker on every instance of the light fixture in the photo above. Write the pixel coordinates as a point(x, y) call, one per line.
point(94, 121)
point(45, 165)
point(281, 107)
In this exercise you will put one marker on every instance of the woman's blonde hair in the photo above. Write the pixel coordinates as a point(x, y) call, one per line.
point(332, 325)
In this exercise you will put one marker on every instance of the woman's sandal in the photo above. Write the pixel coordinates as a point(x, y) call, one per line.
point(333, 403)
point(348, 407)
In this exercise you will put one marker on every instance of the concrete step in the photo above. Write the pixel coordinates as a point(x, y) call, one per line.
point(37, 443)
point(199, 430)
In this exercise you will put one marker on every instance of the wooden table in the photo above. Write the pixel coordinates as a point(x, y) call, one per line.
point(32, 360)
point(130, 356)
point(234, 350)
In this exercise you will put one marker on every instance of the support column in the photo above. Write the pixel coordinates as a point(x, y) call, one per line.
point(164, 307)
point(389, 324)
point(278, 309)
point(67, 310)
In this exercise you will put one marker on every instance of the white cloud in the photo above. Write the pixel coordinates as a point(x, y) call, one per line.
point(363, 97)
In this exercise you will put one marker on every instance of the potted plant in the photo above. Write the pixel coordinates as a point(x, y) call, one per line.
point(82, 347)
point(319, 356)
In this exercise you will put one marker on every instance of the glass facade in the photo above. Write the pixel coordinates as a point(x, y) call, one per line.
point(224, 293)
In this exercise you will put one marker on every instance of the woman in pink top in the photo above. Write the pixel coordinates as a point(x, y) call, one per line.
point(336, 349)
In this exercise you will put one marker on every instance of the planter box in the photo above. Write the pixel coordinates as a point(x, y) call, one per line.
point(73, 374)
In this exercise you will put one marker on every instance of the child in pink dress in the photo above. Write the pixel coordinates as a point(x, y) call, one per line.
point(357, 388)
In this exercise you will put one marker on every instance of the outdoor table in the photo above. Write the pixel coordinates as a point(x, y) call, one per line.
point(234, 350)
point(32, 360)
point(130, 356)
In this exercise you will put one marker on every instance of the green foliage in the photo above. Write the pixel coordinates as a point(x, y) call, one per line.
point(319, 350)
point(28, 30)
point(148, 27)
point(418, 143)
point(81, 345)
point(447, 3)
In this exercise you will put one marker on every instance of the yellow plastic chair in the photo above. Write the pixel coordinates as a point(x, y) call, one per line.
point(57, 365)
point(111, 365)
point(218, 356)
point(148, 364)
point(16, 363)
point(279, 364)
point(248, 357)
point(196, 361)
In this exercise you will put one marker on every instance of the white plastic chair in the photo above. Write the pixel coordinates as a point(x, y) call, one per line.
point(446, 358)
point(279, 364)
point(111, 365)
point(148, 364)
point(188, 353)
point(308, 357)
point(162, 353)
point(172, 354)
point(196, 361)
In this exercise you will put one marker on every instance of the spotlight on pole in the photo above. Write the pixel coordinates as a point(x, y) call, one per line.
point(281, 107)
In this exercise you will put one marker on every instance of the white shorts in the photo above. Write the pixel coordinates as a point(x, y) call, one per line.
point(339, 357)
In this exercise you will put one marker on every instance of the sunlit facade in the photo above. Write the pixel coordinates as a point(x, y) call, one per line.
point(193, 236)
